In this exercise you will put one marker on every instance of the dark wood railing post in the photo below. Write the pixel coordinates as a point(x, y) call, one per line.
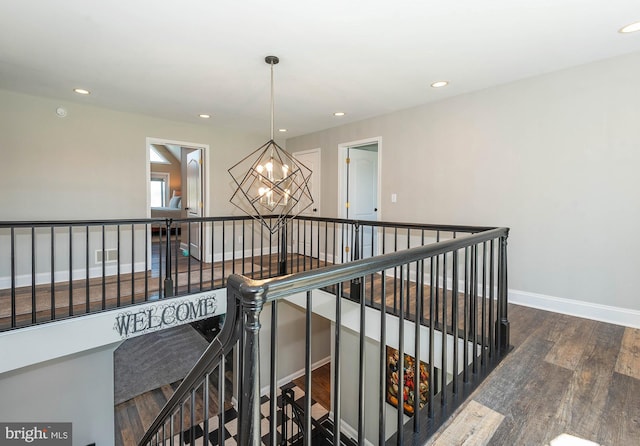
point(252, 299)
point(502, 329)
point(168, 281)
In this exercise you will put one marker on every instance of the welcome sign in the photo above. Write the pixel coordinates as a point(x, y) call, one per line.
point(168, 313)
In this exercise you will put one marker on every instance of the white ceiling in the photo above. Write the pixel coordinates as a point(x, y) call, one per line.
point(176, 59)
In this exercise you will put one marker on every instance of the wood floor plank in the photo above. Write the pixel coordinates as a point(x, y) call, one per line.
point(503, 388)
point(474, 426)
point(530, 416)
point(628, 361)
point(571, 336)
point(620, 423)
point(320, 385)
point(584, 402)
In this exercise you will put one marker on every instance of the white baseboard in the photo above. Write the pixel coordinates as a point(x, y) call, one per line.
point(297, 374)
point(349, 430)
point(598, 312)
point(23, 280)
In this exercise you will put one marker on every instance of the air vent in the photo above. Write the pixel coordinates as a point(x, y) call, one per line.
point(111, 256)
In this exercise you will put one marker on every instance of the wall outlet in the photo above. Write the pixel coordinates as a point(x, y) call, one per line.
point(394, 198)
point(239, 239)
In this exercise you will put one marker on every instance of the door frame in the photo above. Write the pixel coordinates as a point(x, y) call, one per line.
point(342, 184)
point(205, 150)
point(317, 202)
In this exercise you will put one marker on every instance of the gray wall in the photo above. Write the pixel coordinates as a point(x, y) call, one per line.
point(554, 157)
point(291, 341)
point(92, 164)
point(76, 389)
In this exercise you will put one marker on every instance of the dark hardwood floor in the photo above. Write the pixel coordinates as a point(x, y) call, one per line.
point(565, 375)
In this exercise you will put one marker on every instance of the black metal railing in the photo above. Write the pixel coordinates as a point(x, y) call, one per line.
point(60, 269)
point(443, 305)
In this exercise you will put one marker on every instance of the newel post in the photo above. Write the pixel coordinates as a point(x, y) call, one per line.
point(502, 329)
point(251, 298)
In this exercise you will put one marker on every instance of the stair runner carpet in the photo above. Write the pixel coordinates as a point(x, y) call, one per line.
point(231, 422)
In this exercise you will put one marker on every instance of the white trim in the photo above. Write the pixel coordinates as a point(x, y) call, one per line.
point(342, 147)
point(39, 343)
point(295, 375)
point(111, 269)
point(349, 430)
point(206, 180)
point(317, 198)
point(598, 312)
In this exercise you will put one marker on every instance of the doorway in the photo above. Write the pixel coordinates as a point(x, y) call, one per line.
point(359, 191)
point(312, 160)
point(191, 188)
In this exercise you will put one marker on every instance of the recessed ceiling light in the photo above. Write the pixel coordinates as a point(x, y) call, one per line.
point(630, 28)
point(339, 114)
point(282, 130)
point(440, 84)
point(81, 91)
point(204, 116)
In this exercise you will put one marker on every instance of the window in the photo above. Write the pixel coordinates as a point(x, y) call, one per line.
point(159, 189)
point(156, 157)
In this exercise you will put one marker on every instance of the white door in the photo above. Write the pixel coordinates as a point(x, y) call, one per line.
point(361, 200)
point(194, 200)
point(312, 160)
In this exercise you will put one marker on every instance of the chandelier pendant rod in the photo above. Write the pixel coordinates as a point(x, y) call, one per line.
point(272, 101)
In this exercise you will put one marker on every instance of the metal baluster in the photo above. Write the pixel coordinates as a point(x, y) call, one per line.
point(466, 311)
point(213, 254)
point(307, 373)
point(474, 305)
point(221, 397)
point(87, 276)
point(200, 248)
point(432, 323)
point(455, 331)
point(483, 359)
point(188, 260)
point(224, 277)
point(205, 403)
point(133, 264)
point(382, 406)
point(395, 273)
point(71, 270)
point(192, 424)
point(336, 367)
point(274, 374)
point(362, 364)
point(33, 274)
point(444, 330)
point(233, 247)
point(104, 272)
point(118, 266)
point(13, 277)
point(53, 272)
point(491, 298)
point(418, 314)
point(400, 412)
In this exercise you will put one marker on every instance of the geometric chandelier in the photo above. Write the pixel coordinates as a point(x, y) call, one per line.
point(271, 185)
